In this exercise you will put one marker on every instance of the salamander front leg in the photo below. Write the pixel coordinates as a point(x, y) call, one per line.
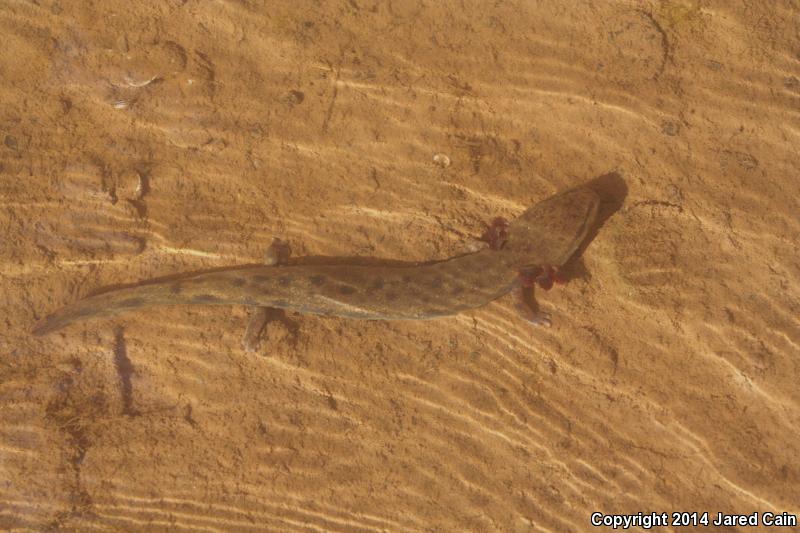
point(496, 233)
point(277, 254)
point(527, 305)
point(526, 302)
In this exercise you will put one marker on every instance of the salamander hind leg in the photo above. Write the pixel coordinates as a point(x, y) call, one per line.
point(277, 254)
point(255, 327)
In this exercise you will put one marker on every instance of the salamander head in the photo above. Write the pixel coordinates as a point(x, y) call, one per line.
point(550, 232)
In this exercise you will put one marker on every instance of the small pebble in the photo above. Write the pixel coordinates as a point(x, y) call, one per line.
point(130, 185)
point(442, 160)
point(139, 83)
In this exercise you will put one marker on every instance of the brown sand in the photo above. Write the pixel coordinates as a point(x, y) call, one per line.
point(147, 138)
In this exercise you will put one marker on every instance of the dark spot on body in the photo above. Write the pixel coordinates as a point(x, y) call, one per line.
point(206, 299)
point(131, 302)
point(458, 289)
point(407, 278)
point(317, 280)
point(347, 289)
point(377, 284)
point(261, 277)
point(238, 282)
point(176, 288)
point(436, 282)
point(79, 313)
point(391, 296)
point(285, 280)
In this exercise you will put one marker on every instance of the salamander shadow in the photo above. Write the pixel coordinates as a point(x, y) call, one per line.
point(612, 190)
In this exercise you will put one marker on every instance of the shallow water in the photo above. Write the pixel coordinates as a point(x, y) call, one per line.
point(144, 140)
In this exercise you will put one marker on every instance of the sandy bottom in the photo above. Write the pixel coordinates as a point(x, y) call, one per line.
point(141, 139)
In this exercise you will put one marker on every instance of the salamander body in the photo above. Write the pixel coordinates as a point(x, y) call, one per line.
point(544, 237)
